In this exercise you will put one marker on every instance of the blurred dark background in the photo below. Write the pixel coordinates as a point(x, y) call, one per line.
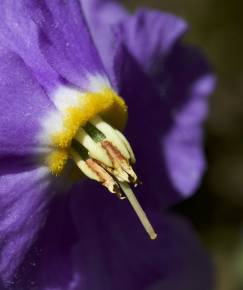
point(217, 209)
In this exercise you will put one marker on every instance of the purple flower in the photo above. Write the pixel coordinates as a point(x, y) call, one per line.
point(61, 68)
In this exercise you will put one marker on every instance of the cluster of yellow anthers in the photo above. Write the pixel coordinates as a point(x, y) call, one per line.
point(105, 103)
point(90, 136)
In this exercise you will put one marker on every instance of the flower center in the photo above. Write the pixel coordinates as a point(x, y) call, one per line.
point(98, 148)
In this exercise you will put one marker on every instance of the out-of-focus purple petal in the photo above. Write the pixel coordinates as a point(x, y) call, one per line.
point(155, 104)
point(114, 252)
point(23, 103)
point(103, 18)
point(109, 249)
point(150, 35)
point(24, 197)
point(106, 13)
point(187, 84)
point(48, 265)
point(163, 84)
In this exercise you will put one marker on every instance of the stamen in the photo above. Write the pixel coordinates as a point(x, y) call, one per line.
point(138, 209)
point(92, 169)
point(105, 178)
point(110, 134)
point(121, 165)
point(95, 149)
point(94, 133)
point(128, 146)
point(83, 166)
